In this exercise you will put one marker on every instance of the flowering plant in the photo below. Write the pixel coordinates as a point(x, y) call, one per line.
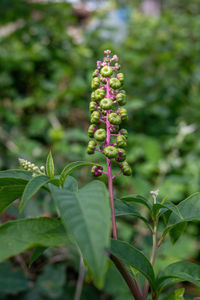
point(84, 214)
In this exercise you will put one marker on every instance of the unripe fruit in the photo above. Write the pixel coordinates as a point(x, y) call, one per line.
point(100, 134)
point(120, 76)
point(106, 103)
point(110, 152)
point(114, 83)
point(121, 155)
point(92, 96)
point(124, 132)
point(91, 147)
point(95, 73)
point(113, 118)
point(95, 116)
point(126, 169)
point(106, 71)
point(121, 99)
point(95, 83)
point(99, 94)
point(92, 106)
point(91, 130)
point(121, 141)
point(97, 171)
point(123, 113)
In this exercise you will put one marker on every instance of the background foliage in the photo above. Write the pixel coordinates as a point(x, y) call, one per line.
point(47, 54)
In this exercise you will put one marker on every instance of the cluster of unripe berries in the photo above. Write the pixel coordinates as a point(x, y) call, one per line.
point(107, 114)
point(29, 166)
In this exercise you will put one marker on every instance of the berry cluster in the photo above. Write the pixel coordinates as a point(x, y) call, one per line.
point(29, 166)
point(107, 114)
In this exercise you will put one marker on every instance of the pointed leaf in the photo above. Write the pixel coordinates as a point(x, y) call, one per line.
point(16, 173)
point(10, 190)
point(86, 215)
point(179, 271)
point(122, 208)
point(176, 295)
point(31, 188)
point(37, 252)
point(17, 236)
point(71, 167)
point(137, 199)
point(50, 166)
point(135, 258)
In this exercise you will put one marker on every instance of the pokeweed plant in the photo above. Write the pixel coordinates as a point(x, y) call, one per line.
point(84, 214)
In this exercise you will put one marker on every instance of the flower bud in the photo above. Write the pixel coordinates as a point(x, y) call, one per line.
point(97, 171)
point(106, 71)
point(95, 116)
point(99, 94)
point(92, 128)
point(126, 169)
point(121, 155)
point(120, 76)
point(123, 114)
point(92, 106)
point(106, 103)
point(121, 99)
point(95, 83)
point(100, 134)
point(110, 152)
point(114, 83)
point(121, 141)
point(114, 119)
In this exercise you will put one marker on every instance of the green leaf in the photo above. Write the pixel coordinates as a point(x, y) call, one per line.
point(176, 295)
point(12, 280)
point(37, 252)
point(189, 210)
point(20, 235)
point(71, 167)
point(50, 166)
point(10, 190)
point(135, 258)
point(122, 208)
point(31, 188)
point(137, 199)
point(86, 215)
point(179, 271)
point(16, 173)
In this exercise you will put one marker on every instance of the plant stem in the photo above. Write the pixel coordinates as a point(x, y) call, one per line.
point(153, 256)
point(80, 280)
point(132, 284)
point(112, 205)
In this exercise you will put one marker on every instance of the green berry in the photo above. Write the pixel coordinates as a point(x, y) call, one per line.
point(121, 141)
point(91, 147)
point(124, 132)
point(121, 99)
point(126, 169)
point(121, 155)
point(91, 130)
point(106, 103)
point(106, 71)
point(123, 113)
point(120, 76)
point(95, 83)
point(110, 152)
point(93, 96)
point(99, 94)
point(92, 106)
point(114, 83)
point(113, 118)
point(95, 116)
point(95, 73)
point(100, 134)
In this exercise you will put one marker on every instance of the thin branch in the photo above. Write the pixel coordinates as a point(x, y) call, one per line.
point(80, 280)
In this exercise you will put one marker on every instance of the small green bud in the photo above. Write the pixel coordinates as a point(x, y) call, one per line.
point(121, 141)
point(93, 96)
point(126, 169)
point(124, 132)
point(95, 83)
point(100, 134)
point(99, 94)
point(123, 113)
point(95, 73)
point(92, 129)
point(91, 147)
point(110, 152)
point(114, 83)
point(113, 118)
point(121, 99)
point(121, 155)
point(106, 71)
point(92, 106)
point(106, 103)
point(95, 116)
point(120, 76)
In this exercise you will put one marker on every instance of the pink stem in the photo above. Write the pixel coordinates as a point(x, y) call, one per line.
point(116, 175)
point(109, 172)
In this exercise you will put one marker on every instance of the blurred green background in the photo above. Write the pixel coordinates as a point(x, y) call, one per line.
point(48, 51)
